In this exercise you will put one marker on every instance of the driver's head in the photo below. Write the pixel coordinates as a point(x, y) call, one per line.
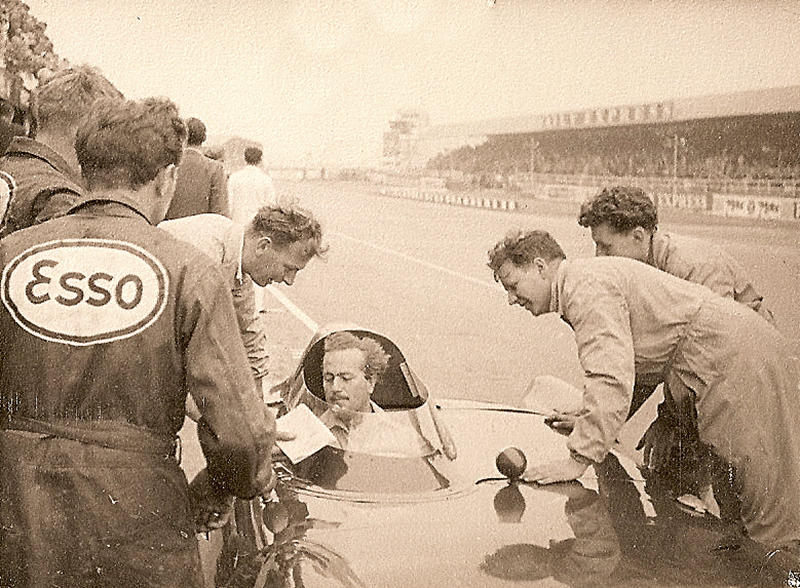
point(351, 367)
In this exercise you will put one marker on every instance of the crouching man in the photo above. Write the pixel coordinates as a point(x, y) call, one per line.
point(727, 369)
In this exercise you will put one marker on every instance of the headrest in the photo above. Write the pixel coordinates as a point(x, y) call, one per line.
point(392, 391)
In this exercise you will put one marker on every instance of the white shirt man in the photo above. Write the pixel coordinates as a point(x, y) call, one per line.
point(222, 239)
point(250, 188)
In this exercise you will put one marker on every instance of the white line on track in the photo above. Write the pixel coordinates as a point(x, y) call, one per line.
point(294, 309)
point(313, 326)
point(418, 261)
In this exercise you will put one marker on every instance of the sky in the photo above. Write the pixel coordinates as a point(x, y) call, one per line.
point(317, 81)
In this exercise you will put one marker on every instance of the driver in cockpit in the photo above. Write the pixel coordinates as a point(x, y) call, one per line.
point(351, 366)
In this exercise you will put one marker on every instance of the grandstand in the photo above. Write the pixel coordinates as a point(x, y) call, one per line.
point(734, 154)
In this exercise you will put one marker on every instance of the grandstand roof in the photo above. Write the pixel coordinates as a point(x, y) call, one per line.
point(751, 102)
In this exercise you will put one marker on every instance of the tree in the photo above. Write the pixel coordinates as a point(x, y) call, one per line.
point(25, 48)
point(28, 49)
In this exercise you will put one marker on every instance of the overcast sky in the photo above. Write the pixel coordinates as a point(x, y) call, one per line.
point(317, 80)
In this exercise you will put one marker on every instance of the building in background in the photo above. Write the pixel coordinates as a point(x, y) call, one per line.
point(401, 143)
point(742, 135)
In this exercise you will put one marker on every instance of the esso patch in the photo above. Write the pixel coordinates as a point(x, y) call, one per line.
point(7, 188)
point(84, 292)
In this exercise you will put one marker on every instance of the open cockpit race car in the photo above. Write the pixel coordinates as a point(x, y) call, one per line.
point(427, 506)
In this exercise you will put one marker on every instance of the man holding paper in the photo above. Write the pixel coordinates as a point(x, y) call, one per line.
point(352, 365)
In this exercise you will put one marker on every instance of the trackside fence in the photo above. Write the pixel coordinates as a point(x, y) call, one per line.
point(746, 199)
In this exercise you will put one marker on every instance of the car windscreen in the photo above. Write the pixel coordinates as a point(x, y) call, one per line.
point(384, 452)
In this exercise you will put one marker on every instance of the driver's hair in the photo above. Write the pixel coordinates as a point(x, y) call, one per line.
point(522, 247)
point(376, 360)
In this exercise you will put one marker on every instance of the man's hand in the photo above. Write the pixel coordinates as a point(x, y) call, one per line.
point(556, 471)
point(211, 510)
point(277, 454)
point(561, 422)
point(658, 443)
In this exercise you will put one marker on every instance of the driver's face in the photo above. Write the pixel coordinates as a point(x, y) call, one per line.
point(344, 381)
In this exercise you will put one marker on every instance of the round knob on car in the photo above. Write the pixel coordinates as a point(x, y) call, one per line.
point(511, 462)
point(275, 517)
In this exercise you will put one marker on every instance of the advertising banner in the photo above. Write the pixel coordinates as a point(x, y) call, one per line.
point(754, 207)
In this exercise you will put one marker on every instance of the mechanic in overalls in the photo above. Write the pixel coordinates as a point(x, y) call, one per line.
point(720, 359)
point(624, 222)
point(108, 323)
point(42, 168)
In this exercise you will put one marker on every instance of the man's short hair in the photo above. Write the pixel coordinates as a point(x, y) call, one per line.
point(285, 225)
point(197, 131)
point(69, 95)
point(376, 360)
point(252, 155)
point(622, 207)
point(217, 154)
point(522, 247)
point(125, 143)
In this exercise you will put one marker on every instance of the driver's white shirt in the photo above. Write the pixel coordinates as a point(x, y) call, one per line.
point(376, 433)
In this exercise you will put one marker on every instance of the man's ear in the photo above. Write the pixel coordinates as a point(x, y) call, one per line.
point(640, 234)
point(539, 264)
point(167, 178)
point(263, 243)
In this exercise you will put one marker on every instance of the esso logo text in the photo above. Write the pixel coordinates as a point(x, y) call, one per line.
point(84, 291)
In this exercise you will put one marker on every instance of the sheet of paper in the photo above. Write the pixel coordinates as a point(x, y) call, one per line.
point(310, 434)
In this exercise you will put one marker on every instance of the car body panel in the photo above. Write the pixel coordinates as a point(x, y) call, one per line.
point(453, 520)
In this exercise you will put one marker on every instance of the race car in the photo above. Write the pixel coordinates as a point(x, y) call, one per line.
point(449, 506)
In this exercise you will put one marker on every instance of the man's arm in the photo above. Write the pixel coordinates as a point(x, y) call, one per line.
point(725, 276)
point(235, 432)
point(600, 318)
point(253, 336)
point(218, 201)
